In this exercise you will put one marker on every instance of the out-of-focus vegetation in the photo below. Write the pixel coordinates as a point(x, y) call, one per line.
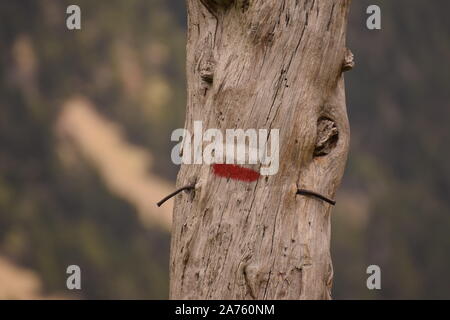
point(55, 207)
point(61, 200)
point(397, 180)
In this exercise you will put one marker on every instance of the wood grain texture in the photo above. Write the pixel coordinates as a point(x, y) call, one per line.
point(273, 64)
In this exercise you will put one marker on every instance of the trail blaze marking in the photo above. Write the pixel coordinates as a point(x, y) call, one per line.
point(235, 172)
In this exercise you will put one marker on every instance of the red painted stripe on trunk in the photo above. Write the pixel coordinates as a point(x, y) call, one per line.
point(235, 172)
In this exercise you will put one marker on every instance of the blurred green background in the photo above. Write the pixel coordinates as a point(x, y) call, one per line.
point(85, 124)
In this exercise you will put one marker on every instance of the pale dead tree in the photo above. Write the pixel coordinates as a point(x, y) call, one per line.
point(263, 64)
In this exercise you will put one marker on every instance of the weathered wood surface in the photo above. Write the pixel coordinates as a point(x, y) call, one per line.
point(263, 64)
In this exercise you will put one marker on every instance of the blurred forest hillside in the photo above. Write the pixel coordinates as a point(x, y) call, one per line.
point(85, 124)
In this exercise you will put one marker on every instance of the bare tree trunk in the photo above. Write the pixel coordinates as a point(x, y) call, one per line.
point(263, 64)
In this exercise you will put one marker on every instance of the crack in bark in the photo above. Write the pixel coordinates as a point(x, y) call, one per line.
point(331, 17)
point(248, 283)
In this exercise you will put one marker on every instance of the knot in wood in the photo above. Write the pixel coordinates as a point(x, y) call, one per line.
point(349, 61)
point(207, 71)
point(215, 5)
point(327, 137)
